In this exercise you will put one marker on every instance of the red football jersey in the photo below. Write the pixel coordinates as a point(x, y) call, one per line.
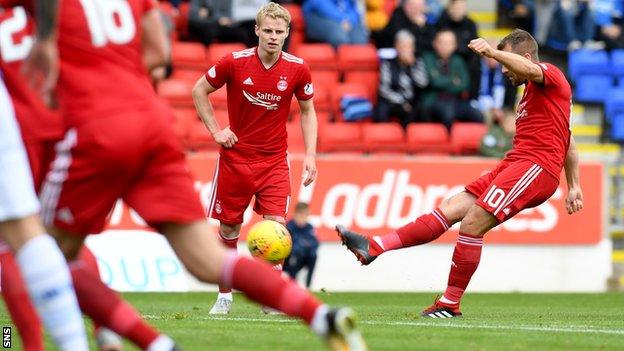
point(543, 122)
point(259, 100)
point(36, 121)
point(102, 69)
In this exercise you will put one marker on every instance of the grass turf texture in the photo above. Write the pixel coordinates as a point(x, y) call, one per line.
point(391, 322)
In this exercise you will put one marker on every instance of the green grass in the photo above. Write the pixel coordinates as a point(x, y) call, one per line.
point(391, 322)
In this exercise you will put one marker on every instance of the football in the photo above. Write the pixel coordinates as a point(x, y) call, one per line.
point(270, 241)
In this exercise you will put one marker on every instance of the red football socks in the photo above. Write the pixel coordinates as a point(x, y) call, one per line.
point(261, 283)
point(18, 303)
point(424, 229)
point(466, 259)
point(107, 308)
point(231, 244)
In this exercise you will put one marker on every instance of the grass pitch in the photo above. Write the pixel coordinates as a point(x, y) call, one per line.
point(391, 322)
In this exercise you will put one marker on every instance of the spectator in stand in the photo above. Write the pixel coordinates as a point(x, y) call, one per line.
point(610, 20)
point(334, 21)
point(499, 137)
point(455, 18)
point(434, 10)
point(411, 15)
point(495, 92)
point(544, 11)
point(515, 14)
point(573, 26)
point(305, 244)
point(401, 81)
point(227, 21)
point(446, 98)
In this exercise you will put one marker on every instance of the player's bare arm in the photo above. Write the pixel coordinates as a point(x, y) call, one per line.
point(574, 200)
point(309, 127)
point(41, 65)
point(156, 50)
point(521, 66)
point(224, 137)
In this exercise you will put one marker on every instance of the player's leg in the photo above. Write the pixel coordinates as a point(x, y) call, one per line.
point(230, 196)
point(181, 219)
point(424, 229)
point(95, 163)
point(18, 304)
point(40, 261)
point(106, 339)
point(210, 262)
point(515, 187)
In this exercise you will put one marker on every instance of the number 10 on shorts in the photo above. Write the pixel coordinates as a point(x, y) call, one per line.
point(494, 196)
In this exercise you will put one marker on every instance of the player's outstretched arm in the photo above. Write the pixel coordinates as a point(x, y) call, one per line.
point(156, 49)
point(224, 137)
point(574, 200)
point(520, 65)
point(309, 127)
point(41, 65)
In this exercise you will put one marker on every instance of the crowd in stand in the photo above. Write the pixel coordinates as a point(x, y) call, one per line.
point(426, 72)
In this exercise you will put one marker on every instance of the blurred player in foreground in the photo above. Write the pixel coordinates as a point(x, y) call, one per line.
point(253, 161)
point(40, 128)
point(45, 272)
point(525, 178)
point(119, 144)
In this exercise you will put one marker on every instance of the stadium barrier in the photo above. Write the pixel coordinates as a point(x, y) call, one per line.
point(541, 249)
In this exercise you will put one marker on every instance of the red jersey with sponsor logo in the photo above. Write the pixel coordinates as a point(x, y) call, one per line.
point(102, 70)
point(36, 121)
point(259, 100)
point(543, 122)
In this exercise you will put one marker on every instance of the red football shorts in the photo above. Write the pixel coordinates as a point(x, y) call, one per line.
point(40, 156)
point(131, 156)
point(511, 187)
point(235, 183)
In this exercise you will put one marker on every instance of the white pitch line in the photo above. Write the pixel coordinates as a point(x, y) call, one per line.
point(564, 329)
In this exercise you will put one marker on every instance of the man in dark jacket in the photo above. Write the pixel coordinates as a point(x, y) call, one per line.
point(211, 20)
point(455, 18)
point(411, 15)
point(446, 98)
point(305, 244)
point(401, 81)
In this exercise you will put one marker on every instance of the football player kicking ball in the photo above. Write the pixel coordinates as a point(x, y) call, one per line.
point(253, 161)
point(525, 178)
point(119, 144)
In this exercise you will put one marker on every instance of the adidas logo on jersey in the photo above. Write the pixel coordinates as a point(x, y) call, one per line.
point(248, 81)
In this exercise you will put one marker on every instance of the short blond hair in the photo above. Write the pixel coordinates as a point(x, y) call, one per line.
point(274, 11)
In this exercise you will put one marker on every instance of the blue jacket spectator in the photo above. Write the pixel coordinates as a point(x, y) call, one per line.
point(334, 21)
point(608, 15)
point(305, 244)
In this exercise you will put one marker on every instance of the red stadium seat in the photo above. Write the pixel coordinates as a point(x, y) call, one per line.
point(361, 57)
point(297, 22)
point(296, 39)
point(181, 21)
point(383, 137)
point(200, 138)
point(218, 99)
point(370, 79)
point(188, 55)
point(343, 89)
point(295, 138)
point(466, 137)
point(428, 138)
point(340, 136)
point(319, 56)
point(183, 122)
point(324, 78)
point(217, 50)
point(176, 92)
point(189, 75)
